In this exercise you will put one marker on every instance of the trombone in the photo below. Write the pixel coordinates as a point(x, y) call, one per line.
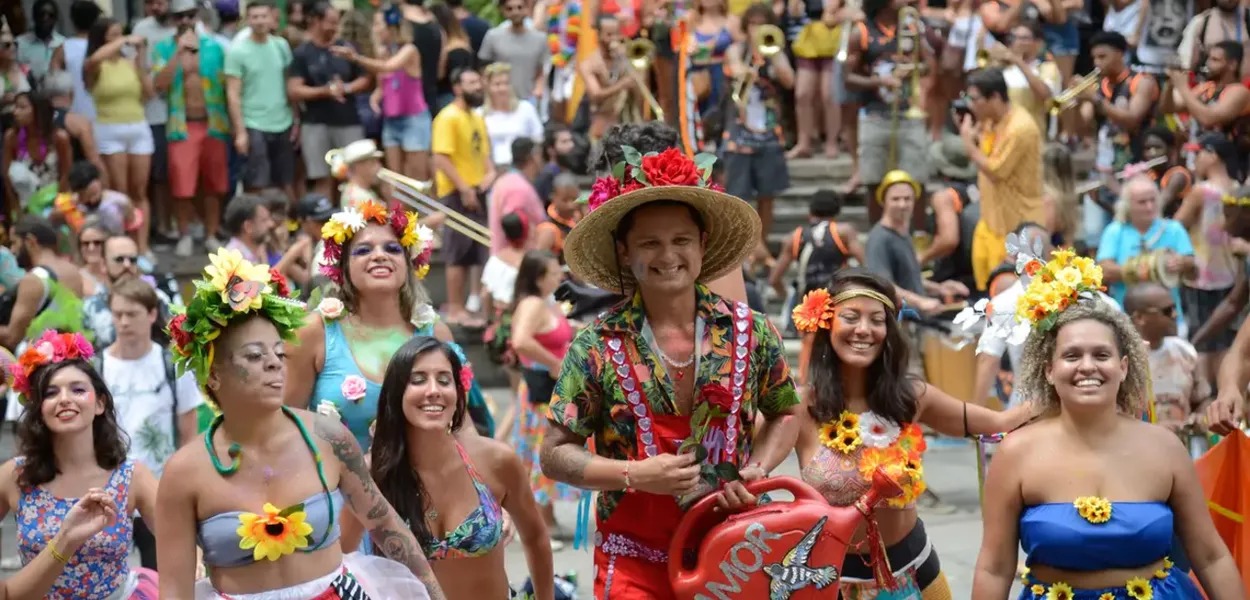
point(844, 39)
point(1071, 96)
point(413, 193)
point(768, 40)
point(639, 53)
point(911, 31)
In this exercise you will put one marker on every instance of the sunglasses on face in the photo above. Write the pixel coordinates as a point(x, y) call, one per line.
point(125, 259)
point(185, 16)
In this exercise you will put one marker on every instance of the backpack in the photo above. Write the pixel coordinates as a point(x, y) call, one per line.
point(818, 259)
point(171, 382)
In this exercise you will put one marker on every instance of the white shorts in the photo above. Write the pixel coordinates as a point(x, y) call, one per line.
point(379, 578)
point(124, 138)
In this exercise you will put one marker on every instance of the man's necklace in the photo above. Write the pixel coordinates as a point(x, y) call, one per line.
point(679, 367)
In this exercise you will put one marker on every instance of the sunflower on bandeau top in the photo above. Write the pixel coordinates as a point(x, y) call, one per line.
point(417, 239)
point(230, 289)
point(1050, 287)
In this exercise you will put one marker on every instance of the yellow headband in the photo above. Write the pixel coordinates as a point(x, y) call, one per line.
point(863, 293)
point(816, 310)
point(1234, 201)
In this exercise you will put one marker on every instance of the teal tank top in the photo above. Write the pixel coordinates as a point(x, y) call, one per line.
point(359, 414)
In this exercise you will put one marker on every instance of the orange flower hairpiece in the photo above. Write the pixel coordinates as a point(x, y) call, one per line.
point(51, 347)
point(816, 310)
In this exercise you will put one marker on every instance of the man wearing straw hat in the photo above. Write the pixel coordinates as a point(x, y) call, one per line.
point(669, 381)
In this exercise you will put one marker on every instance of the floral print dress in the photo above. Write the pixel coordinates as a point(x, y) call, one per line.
point(100, 569)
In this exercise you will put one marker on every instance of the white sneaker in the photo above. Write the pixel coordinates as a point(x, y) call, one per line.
point(473, 304)
point(185, 247)
point(212, 244)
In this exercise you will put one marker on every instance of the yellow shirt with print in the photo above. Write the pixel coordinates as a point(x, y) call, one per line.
point(461, 135)
point(1011, 183)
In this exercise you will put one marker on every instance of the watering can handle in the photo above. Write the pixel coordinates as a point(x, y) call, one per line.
point(801, 491)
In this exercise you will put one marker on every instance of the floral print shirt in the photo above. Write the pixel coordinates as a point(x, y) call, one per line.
point(590, 403)
point(212, 79)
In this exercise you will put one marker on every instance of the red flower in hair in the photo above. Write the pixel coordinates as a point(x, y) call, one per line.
point(670, 167)
point(279, 283)
point(466, 377)
point(176, 332)
point(399, 220)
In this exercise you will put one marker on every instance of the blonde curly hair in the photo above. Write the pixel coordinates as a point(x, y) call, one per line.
point(1039, 350)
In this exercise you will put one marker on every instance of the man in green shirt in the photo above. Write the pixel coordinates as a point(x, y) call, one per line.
point(265, 129)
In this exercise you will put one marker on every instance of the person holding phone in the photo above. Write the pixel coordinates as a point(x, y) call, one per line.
point(190, 74)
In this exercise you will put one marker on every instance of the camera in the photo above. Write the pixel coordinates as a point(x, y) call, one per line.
point(959, 109)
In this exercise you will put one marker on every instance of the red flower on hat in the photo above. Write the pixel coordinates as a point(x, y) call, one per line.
point(604, 189)
point(670, 167)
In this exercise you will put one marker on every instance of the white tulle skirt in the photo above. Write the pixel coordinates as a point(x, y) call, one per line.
point(380, 578)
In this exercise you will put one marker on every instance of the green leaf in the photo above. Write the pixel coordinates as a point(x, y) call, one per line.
point(314, 298)
point(704, 160)
point(708, 474)
point(618, 171)
point(727, 471)
point(688, 445)
point(294, 508)
point(641, 177)
point(700, 453)
point(632, 156)
point(699, 418)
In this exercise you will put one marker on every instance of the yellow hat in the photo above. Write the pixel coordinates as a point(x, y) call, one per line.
point(897, 176)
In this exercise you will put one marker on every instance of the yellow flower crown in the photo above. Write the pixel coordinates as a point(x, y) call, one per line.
point(1231, 200)
point(1055, 285)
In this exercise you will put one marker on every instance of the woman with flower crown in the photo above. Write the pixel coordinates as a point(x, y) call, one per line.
point(376, 257)
point(1091, 492)
point(863, 412)
point(261, 497)
point(69, 447)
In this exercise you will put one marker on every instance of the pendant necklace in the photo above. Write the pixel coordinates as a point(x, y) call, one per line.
point(678, 367)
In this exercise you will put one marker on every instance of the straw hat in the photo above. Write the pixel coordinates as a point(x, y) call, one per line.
point(731, 224)
point(360, 150)
point(897, 176)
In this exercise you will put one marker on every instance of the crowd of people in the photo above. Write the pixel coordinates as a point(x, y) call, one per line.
point(301, 421)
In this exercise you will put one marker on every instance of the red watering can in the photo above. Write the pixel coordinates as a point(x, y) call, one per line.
point(779, 551)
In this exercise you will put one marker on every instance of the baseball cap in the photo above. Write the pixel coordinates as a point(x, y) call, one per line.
point(316, 207)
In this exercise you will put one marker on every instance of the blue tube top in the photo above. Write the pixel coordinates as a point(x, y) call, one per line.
point(1054, 535)
point(218, 534)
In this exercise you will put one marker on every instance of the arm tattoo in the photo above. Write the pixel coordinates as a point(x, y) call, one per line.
point(563, 458)
point(386, 530)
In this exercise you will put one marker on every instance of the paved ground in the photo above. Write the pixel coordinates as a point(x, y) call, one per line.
point(956, 532)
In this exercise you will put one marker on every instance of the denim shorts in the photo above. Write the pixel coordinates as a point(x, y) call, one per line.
point(1062, 40)
point(410, 132)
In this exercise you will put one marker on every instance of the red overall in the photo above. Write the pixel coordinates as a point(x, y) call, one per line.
point(631, 545)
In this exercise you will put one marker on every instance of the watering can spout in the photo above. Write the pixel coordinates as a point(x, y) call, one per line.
point(883, 488)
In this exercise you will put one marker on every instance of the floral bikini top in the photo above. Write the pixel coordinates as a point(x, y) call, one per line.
point(479, 533)
point(856, 445)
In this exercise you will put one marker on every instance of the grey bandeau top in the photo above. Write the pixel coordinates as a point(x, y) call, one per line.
point(218, 535)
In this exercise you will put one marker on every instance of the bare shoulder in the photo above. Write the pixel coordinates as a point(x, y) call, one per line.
point(486, 451)
point(313, 330)
point(1152, 438)
point(183, 469)
point(1026, 440)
